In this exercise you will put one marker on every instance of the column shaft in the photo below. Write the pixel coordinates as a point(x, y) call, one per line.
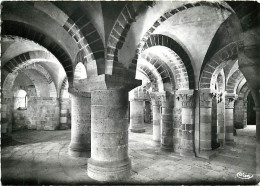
point(205, 121)
point(80, 125)
point(109, 135)
point(214, 124)
point(221, 122)
point(156, 123)
point(229, 116)
point(257, 111)
point(187, 140)
point(166, 129)
point(137, 116)
point(187, 137)
point(229, 124)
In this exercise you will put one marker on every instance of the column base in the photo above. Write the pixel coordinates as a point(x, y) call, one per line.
point(137, 130)
point(207, 154)
point(109, 171)
point(229, 141)
point(166, 148)
point(6, 138)
point(187, 153)
point(76, 150)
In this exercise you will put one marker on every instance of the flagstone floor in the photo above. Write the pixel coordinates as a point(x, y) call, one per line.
point(40, 157)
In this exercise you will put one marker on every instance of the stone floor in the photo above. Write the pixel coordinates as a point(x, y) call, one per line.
point(40, 157)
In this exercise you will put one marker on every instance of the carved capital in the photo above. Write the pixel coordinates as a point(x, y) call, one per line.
point(139, 93)
point(155, 99)
point(230, 100)
point(206, 98)
point(76, 92)
point(187, 100)
point(220, 97)
point(166, 98)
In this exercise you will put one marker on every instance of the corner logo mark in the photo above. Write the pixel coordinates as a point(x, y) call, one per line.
point(244, 175)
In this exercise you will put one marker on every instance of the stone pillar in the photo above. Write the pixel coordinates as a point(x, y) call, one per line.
point(166, 121)
point(177, 124)
point(156, 118)
point(109, 135)
point(80, 144)
point(257, 111)
point(205, 120)
point(229, 116)
point(147, 112)
point(245, 115)
point(214, 124)
point(137, 115)
point(187, 139)
point(221, 118)
point(239, 113)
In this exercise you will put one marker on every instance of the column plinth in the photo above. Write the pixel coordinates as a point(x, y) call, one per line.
point(80, 144)
point(109, 135)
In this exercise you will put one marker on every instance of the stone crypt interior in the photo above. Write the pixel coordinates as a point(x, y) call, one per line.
point(133, 92)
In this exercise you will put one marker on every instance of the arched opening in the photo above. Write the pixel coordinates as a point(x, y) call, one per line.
point(20, 100)
point(80, 72)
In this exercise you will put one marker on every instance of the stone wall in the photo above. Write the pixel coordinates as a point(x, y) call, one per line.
point(43, 113)
point(20, 119)
point(6, 115)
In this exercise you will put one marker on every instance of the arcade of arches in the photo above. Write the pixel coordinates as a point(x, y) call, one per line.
point(130, 92)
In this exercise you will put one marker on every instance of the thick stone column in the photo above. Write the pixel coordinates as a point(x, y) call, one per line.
point(137, 115)
point(257, 111)
point(214, 124)
point(156, 118)
point(177, 124)
point(80, 144)
point(239, 113)
point(187, 140)
point(229, 115)
point(109, 135)
point(221, 118)
point(166, 122)
point(245, 115)
point(206, 120)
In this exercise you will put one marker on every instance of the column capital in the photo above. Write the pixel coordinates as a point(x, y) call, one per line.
point(257, 109)
point(186, 97)
point(166, 98)
point(155, 99)
point(230, 100)
point(138, 94)
point(206, 96)
point(108, 82)
point(220, 97)
point(75, 91)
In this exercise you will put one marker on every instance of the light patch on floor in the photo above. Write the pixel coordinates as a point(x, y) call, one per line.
point(41, 157)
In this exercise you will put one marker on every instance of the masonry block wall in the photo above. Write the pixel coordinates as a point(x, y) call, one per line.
point(6, 115)
point(43, 113)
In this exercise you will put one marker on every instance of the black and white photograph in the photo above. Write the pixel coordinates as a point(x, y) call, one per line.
point(130, 92)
